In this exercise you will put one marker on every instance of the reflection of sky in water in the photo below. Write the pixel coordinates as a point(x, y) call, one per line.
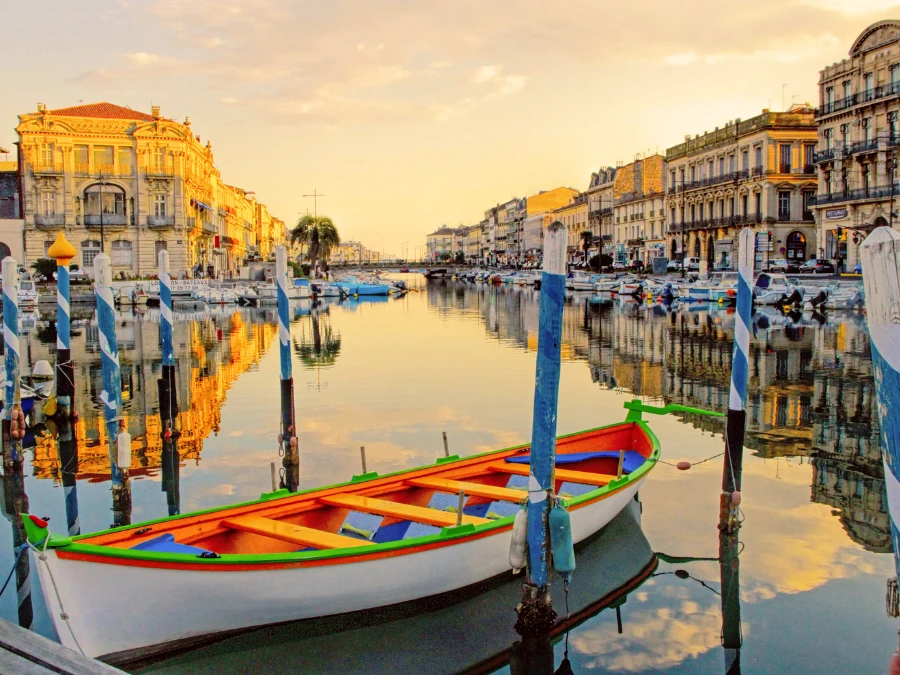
point(462, 360)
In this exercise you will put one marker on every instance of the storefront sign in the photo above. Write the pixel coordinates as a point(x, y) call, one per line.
point(836, 213)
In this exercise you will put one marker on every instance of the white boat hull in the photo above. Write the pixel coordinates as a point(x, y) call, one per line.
point(115, 608)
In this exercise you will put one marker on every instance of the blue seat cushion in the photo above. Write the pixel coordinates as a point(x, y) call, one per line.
point(165, 543)
point(633, 459)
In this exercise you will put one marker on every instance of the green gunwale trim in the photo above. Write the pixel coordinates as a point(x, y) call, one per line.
point(363, 477)
point(73, 545)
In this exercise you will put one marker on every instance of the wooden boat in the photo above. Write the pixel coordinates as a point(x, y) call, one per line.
point(464, 631)
point(371, 542)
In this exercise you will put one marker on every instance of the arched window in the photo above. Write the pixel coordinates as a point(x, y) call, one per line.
point(697, 247)
point(4, 251)
point(108, 200)
point(121, 253)
point(90, 248)
point(710, 253)
point(796, 246)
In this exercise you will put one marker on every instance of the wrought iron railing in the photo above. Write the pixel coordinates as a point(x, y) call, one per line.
point(106, 220)
point(49, 219)
point(160, 221)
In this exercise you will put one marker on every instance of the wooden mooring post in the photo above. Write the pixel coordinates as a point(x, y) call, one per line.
point(288, 436)
point(536, 615)
point(168, 392)
point(880, 255)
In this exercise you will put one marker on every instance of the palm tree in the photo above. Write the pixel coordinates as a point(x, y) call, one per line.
point(318, 233)
point(587, 237)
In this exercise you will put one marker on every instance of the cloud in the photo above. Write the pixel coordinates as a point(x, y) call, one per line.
point(680, 59)
point(485, 74)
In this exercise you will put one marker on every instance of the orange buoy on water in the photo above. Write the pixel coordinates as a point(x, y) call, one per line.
point(683, 466)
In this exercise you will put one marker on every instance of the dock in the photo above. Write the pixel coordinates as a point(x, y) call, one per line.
point(23, 651)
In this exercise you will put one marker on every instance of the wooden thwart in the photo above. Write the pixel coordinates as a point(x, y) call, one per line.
point(561, 474)
point(472, 489)
point(382, 507)
point(295, 534)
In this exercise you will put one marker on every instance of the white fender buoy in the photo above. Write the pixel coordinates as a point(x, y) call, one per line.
point(518, 542)
point(123, 450)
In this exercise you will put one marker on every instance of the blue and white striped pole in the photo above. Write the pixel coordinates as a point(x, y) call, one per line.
point(880, 255)
point(63, 252)
point(12, 398)
point(111, 395)
point(288, 436)
point(543, 431)
point(165, 309)
point(737, 396)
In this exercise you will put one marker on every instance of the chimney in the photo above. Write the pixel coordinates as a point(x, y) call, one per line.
point(42, 108)
point(154, 110)
point(765, 111)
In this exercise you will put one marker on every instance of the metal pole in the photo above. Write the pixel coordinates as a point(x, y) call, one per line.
point(11, 420)
point(536, 607)
point(288, 436)
point(683, 208)
point(737, 398)
point(880, 255)
point(102, 237)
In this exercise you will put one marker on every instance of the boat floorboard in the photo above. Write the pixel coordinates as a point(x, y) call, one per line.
point(295, 534)
point(384, 507)
point(567, 475)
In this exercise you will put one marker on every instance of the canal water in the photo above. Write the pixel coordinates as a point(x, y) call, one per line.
point(392, 374)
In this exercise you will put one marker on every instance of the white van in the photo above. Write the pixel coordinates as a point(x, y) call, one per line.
point(692, 264)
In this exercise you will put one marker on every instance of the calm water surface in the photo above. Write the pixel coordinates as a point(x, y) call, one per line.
point(393, 374)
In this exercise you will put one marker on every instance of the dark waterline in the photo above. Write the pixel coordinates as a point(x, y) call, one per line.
point(393, 374)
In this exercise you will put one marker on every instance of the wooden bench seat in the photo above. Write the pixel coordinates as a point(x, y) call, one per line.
point(566, 475)
point(295, 534)
point(382, 507)
point(503, 494)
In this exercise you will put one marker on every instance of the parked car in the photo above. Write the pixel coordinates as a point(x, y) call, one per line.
point(618, 266)
point(815, 266)
point(673, 266)
point(692, 264)
point(782, 265)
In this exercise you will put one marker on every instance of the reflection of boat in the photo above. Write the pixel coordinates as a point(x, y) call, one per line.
point(294, 556)
point(610, 566)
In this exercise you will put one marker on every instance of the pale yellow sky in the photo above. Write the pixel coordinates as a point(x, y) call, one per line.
point(410, 114)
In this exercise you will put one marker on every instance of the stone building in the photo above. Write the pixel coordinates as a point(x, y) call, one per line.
point(600, 209)
point(640, 221)
point(755, 173)
point(858, 140)
point(574, 216)
point(132, 184)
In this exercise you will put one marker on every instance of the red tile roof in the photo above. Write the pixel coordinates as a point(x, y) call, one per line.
point(104, 110)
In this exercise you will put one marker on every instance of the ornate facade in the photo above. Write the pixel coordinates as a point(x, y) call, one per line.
point(858, 139)
point(132, 184)
point(600, 208)
point(757, 173)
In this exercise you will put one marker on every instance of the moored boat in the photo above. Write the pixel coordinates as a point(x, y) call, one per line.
point(372, 542)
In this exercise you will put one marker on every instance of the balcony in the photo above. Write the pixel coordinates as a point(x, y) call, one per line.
point(49, 220)
point(837, 106)
point(104, 170)
point(860, 194)
point(824, 155)
point(47, 169)
point(784, 168)
point(160, 222)
point(209, 228)
point(747, 219)
point(109, 221)
point(757, 171)
point(160, 172)
point(864, 146)
point(784, 217)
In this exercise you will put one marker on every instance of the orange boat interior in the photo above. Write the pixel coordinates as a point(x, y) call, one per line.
point(412, 504)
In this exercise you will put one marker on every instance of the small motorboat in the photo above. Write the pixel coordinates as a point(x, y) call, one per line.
point(359, 287)
point(28, 295)
point(579, 281)
point(371, 542)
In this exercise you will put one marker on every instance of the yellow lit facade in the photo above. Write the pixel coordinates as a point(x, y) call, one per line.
point(133, 184)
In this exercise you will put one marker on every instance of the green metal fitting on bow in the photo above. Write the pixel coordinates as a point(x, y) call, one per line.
point(636, 408)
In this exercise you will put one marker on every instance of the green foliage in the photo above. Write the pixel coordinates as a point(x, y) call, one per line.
point(297, 268)
point(445, 257)
point(460, 258)
point(45, 267)
point(319, 235)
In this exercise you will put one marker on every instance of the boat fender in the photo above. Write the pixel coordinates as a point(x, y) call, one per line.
point(683, 466)
point(517, 544)
point(736, 498)
point(561, 540)
point(123, 454)
point(293, 441)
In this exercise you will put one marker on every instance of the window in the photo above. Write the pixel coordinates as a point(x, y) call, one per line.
point(867, 128)
point(46, 154)
point(702, 210)
point(693, 173)
point(845, 182)
point(672, 178)
point(693, 213)
point(758, 159)
point(121, 253)
point(828, 134)
point(47, 245)
point(759, 203)
point(895, 78)
point(89, 250)
point(745, 206)
point(731, 163)
point(710, 165)
point(159, 158)
point(103, 158)
point(123, 159)
point(82, 158)
point(864, 171)
point(785, 157)
point(104, 199)
point(829, 97)
point(159, 246)
point(847, 90)
point(160, 205)
point(745, 160)
point(809, 153)
point(721, 166)
point(672, 216)
point(48, 203)
point(682, 178)
point(784, 205)
point(809, 199)
point(827, 182)
point(868, 82)
point(845, 131)
point(892, 126)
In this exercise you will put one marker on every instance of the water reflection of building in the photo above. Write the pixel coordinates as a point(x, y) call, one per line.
point(210, 354)
point(810, 394)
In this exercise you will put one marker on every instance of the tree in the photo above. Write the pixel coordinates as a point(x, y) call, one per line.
point(587, 238)
point(318, 233)
point(460, 258)
point(45, 267)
